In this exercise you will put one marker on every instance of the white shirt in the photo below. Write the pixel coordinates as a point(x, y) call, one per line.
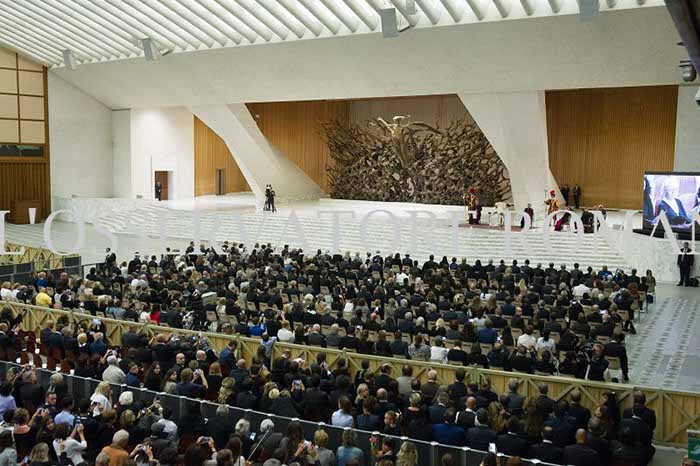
point(580, 289)
point(73, 449)
point(6, 294)
point(549, 344)
point(526, 340)
point(400, 277)
point(285, 335)
point(102, 403)
point(438, 354)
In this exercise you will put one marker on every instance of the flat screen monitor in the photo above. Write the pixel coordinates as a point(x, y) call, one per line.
point(675, 193)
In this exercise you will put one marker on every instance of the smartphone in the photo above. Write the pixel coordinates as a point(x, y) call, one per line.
point(96, 321)
point(78, 421)
point(25, 460)
point(252, 435)
point(297, 383)
point(206, 439)
point(492, 447)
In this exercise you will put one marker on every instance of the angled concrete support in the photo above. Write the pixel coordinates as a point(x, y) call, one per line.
point(259, 161)
point(515, 124)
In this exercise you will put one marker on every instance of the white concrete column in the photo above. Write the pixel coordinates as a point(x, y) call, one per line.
point(515, 123)
point(259, 161)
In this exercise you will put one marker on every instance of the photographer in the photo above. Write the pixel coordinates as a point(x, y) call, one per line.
point(67, 445)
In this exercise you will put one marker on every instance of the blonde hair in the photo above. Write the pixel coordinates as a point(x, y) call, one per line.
point(321, 438)
point(40, 453)
point(408, 455)
point(274, 394)
point(215, 369)
point(227, 389)
point(103, 388)
point(360, 388)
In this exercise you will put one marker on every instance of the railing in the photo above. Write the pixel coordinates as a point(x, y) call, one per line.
point(428, 452)
point(19, 268)
point(676, 411)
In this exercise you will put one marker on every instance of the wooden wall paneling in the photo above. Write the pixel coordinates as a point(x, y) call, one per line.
point(25, 178)
point(212, 153)
point(437, 110)
point(25, 181)
point(294, 128)
point(605, 139)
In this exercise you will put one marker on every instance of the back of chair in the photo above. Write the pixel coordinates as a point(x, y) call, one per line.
point(613, 363)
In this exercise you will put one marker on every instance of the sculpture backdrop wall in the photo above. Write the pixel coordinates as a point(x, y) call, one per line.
point(407, 161)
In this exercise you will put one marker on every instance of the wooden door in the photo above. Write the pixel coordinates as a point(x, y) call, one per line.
point(220, 181)
point(162, 176)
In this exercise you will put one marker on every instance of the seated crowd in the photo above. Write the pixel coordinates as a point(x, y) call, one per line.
point(511, 317)
point(525, 317)
point(49, 424)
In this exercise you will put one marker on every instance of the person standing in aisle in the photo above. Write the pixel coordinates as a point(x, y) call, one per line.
point(685, 264)
point(577, 195)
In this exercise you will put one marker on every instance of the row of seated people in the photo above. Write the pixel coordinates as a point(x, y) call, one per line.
point(458, 414)
point(263, 278)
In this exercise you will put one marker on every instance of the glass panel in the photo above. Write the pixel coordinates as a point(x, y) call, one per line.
point(31, 151)
point(9, 150)
point(16, 150)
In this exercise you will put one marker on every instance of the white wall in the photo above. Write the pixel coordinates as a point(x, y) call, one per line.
point(121, 150)
point(162, 139)
point(80, 132)
point(687, 157)
point(515, 123)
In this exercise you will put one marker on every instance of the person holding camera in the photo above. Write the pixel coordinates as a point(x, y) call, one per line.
point(67, 444)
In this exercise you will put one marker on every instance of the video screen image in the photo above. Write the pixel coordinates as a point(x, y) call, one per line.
point(676, 194)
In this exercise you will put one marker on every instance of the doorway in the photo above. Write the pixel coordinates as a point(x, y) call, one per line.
point(220, 181)
point(163, 177)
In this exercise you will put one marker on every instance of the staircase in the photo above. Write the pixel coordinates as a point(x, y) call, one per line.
point(319, 233)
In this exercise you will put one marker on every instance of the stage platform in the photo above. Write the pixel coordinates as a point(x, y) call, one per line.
point(399, 227)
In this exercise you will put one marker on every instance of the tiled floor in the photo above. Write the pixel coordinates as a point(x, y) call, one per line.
point(666, 350)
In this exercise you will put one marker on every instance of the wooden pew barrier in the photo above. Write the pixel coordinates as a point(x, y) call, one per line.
point(676, 411)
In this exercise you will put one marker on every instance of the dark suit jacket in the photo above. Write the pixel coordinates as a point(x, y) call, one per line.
point(648, 415)
point(220, 429)
point(316, 404)
point(512, 445)
point(131, 340)
point(316, 339)
point(547, 452)
point(580, 455)
point(429, 389)
point(246, 400)
point(600, 445)
point(685, 260)
point(465, 419)
point(581, 414)
point(641, 432)
point(563, 431)
point(449, 434)
point(479, 437)
point(436, 414)
point(631, 455)
point(546, 403)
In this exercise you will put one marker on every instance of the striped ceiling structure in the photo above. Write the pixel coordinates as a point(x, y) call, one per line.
point(95, 31)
